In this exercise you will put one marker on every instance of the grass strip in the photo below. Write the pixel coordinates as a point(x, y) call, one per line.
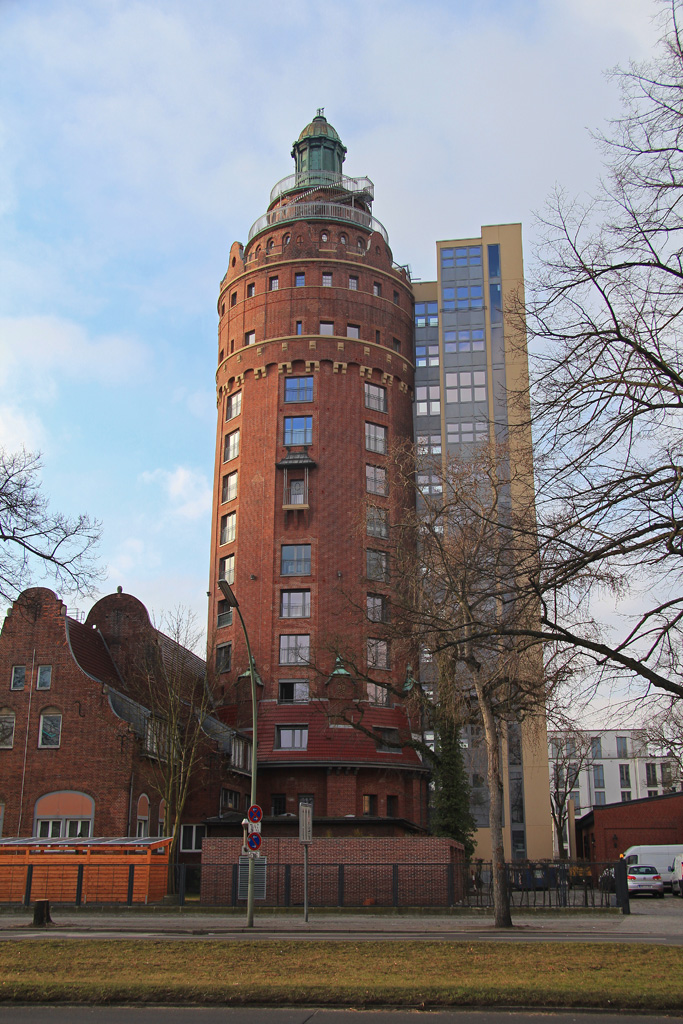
point(598, 975)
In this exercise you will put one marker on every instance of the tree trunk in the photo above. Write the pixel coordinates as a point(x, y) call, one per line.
point(501, 894)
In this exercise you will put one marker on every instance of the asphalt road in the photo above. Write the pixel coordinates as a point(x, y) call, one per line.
point(303, 1015)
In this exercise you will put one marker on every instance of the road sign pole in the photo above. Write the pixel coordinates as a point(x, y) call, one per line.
point(305, 881)
point(305, 837)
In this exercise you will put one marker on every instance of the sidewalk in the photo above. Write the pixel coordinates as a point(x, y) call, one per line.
point(662, 923)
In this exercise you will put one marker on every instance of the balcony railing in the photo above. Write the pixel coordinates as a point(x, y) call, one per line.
point(323, 179)
point(317, 211)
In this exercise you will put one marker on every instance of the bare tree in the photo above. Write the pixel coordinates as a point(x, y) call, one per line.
point(605, 313)
point(571, 752)
point(456, 576)
point(35, 541)
point(174, 688)
point(663, 732)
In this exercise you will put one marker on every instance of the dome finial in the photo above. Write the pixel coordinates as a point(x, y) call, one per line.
point(320, 112)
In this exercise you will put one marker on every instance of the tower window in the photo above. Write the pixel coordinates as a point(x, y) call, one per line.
point(251, 290)
point(397, 298)
point(377, 288)
point(326, 327)
point(295, 649)
point(327, 280)
point(375, 479)
point(375, 397)
point(295, 560)
point(250, 338)
point(233, 299)
point(342, 239)
point(228, 527)
point(397, 344)
point(375, 438)
point(298, 430)
point(291, 737)
point(352, 331)
point(233, 406)
point(229, 487)
point(376, 608)
point(295, 604)
point(223, 658)
point(324, 236)
point(353, 283)
point(377, 565)
point(376, 521)
point(293, 691)
point(298, 389)
point(226, 569)
point(273, 284)
point(299, 280)
point(224, 614)
point(299, 326)
point(232, 446)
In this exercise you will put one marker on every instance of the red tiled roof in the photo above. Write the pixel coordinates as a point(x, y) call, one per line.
point(90, 653)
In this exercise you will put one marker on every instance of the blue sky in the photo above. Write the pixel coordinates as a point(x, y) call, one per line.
point(139, 139)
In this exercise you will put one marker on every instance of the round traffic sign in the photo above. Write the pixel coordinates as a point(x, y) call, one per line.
point(254, 840)
point(255, 813)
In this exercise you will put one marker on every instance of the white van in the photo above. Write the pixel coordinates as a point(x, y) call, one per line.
point(661, 857)
point(677, 876)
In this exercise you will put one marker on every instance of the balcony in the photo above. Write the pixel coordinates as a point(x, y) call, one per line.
point(360, 188)
point(317, 211)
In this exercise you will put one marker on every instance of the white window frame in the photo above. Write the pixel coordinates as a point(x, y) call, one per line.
point(196, 834)
point(233, 405)
point(18, 677)
point(228, 528)
point(226, 569)
point(299, 737)
point(294, 648)
point(231, 446)
point(8, 721)
point(44, 715)
point(229, 487)
point(375, 438)
point(287, 601)
point(44, 677)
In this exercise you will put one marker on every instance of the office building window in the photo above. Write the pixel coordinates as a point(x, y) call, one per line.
point(228, 527)
point(376, 480)
point(18, 677)
point(599, 776)
point(428, 401)
point(353, 283)
point(667, 776)
point(233, 406)
point(464, 341)
point(291, 737)
point(625, 776)
point(496, 303)
point(470, 256)
point(326, 327)
point(376, 521)
point(295, 604)
point(273, 284)
point(299, 280)
point(466, 433)
point(494, 260)
point(293, 691)
point(229, 487)
point(599, 799)
point(622, 746)
point(294, 649)
point(447, 259)
point(231, 448)
point(223, 658)
point(376, 608)
point(50, 733)
point(426, 355)
point(469, 297)
point(295, 560)
point(327, 280)
point(466, 387)
point(298, 430)
point(651, 774)
point(625, 796)
point(224, 617)
point(352, 331)
point(377, 565)
point(375, 397)
point(298, 389)
point(250, 338)
point(429, 483)
point(226, 569)
point(251, 290)
point(426, 314)
point(596, 747)
point(375, 438)
point(429, 444)
point(44, 681)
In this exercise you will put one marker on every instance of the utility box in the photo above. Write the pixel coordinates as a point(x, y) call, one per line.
point(260, 864)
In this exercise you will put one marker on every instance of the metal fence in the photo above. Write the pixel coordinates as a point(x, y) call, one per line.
point(531, 885)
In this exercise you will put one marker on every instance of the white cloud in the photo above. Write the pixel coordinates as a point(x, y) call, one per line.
point(19, 429)
point(188, 490)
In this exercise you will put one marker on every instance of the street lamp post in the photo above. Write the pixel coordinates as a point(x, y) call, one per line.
point(227, 593)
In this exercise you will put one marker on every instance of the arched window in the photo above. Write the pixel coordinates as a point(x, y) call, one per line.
point(342, 239)
point(324, 236)
point(270, 245)
point(286, 240)
point(50, 732)
point(6, 728)
point(65, 814)
point(143, 816)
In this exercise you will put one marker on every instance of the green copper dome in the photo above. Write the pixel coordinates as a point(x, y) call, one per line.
point(318, 150)
point(319, 126)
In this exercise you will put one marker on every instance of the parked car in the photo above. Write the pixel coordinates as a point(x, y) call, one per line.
point(644, 878)
point(677, 876)
point(662, 856)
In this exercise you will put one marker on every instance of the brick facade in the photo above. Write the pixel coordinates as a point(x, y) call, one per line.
point(94, 767)
point(610, 829)
point(318, 301)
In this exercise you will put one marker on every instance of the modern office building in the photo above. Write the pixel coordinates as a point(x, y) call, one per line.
point(471, 375)
point(327, 355)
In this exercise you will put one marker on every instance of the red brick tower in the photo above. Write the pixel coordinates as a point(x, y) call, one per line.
point(314, 386)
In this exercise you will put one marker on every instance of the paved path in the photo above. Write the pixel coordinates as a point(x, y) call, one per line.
point(653, 921)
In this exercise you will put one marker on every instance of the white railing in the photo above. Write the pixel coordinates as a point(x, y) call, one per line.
point(322, 179)
point(317, 211)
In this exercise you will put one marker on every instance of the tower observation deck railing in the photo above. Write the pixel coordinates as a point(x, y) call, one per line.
point(323, 179)
point(317, 211)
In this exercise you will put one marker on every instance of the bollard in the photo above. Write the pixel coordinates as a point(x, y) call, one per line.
point(41, 914)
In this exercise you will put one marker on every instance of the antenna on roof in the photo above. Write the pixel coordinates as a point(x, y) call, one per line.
point(320, 112)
